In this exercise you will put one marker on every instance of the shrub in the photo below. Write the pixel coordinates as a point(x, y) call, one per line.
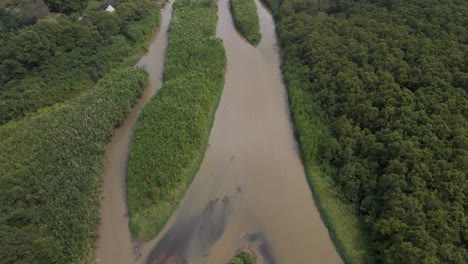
point(245, 17)
point(243, 258)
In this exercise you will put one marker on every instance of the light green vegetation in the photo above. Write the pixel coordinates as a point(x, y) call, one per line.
point(173, 128)
point(50, 167)
point(93, 5)
point(244, 13)
point(242, 258)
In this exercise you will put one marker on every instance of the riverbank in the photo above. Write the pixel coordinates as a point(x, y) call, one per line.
point(339, 216)
point(368, 115)
point(345, 228)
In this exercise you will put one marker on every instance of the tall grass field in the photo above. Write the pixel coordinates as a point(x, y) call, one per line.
point(50, 167)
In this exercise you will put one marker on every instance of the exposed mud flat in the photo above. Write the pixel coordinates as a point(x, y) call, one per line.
point(251, 191)
point(114, 245)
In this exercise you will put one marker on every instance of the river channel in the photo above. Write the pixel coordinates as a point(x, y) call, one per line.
point(114, 245)
point(251, 192)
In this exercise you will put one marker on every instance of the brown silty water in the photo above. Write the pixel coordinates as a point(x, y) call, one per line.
point(114, 245)
point(250, 192)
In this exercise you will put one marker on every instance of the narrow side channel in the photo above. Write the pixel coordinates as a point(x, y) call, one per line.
point(114, 243)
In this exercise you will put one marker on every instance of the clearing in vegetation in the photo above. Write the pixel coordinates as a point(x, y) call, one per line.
point(173, 128)
point(50, 168)
point(244, 14)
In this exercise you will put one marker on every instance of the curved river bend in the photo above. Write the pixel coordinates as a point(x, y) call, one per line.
point(250, 192)
point(114, 245)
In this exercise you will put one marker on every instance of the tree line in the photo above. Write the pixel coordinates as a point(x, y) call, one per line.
point(388, 81)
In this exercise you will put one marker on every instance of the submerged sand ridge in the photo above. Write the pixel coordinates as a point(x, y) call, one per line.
point(114, 245)
point(250, 191)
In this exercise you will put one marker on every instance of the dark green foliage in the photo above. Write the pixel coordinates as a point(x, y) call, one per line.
point(9, 26)
point(108, 24)
point(66, 6)
point(50, 166)
point(31, 48)
point(273, 5)
point(387, 80)
point(52, 61)
point(29, 11)
point(134, 10)
point(173, 128)
point(244, 14)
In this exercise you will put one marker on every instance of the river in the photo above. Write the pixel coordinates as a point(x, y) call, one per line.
point(114, 245)
point(251, 192)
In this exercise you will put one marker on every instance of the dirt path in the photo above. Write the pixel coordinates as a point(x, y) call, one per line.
point(114, 243)
point(251, 191)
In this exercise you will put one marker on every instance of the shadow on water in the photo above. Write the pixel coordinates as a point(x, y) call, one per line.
point(204, 229)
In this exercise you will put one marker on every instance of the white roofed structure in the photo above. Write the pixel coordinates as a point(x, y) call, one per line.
point(110, 9)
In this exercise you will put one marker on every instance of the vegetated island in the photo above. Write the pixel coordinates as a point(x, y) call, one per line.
point(244, 14)
point(172, 130)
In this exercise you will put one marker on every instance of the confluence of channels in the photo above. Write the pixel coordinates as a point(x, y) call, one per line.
point(250, 192)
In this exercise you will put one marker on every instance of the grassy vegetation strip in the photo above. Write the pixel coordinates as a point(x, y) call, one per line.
point(339, 217)
point(50, 166)
point(173, 128)
point(244, 13)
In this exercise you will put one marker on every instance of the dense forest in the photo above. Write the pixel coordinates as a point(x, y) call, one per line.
point(384, 85)
point(47, 58)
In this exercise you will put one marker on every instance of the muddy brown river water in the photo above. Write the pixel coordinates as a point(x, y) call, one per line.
point(250, 191)
point(114, 245)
